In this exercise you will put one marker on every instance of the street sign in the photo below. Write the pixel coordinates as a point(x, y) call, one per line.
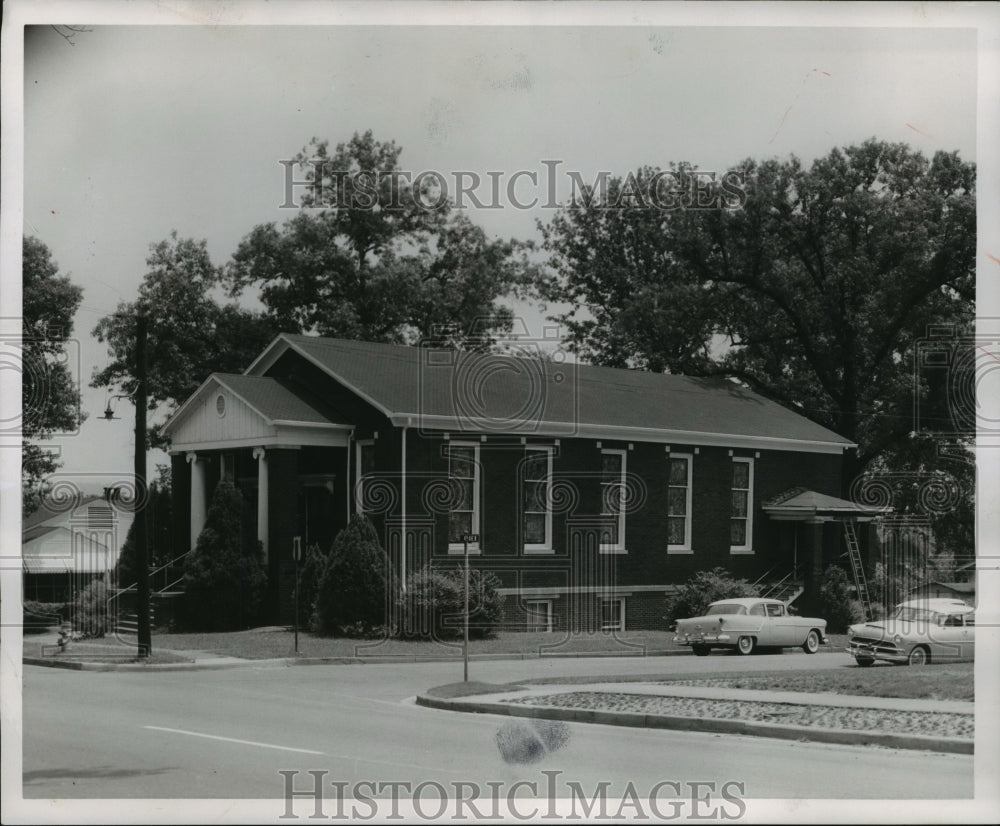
point(297, 548)
point(470, 537)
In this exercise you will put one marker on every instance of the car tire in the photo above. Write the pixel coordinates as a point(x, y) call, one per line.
point(918, 656)
point(700, 650)
point(865, 662)
point(745, 645)
point(811, 645)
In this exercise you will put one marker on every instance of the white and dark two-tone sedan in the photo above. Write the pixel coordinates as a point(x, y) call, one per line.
point(749, 623)
point(917, 632)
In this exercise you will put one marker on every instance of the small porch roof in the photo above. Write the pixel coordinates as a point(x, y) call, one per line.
point(803, 505)
point(230, 411)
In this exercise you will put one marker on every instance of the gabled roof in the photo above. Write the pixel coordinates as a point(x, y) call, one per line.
point(271, 399)
point(50, 509)
point(449, 390)
point(800, 503)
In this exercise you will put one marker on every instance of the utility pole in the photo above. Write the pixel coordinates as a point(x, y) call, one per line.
point(141, 553)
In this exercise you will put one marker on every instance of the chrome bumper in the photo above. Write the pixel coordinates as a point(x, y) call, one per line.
point(703, 639)
point(876, 651)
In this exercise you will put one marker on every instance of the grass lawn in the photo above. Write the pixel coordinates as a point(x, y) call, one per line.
point(271, 643)
point(932, 682)
point(102, 651)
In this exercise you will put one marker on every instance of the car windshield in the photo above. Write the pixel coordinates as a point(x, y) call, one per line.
point(725, 609)
point(910, 614)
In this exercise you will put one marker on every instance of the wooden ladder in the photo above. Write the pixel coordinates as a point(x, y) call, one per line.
point(854, 552)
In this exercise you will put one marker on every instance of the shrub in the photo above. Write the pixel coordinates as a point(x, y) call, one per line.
point(434, 603)
point(357, 584)
point(37, 616)
point(836, 602)
point(90, 610)
point(224, 576)
point(704, 588)
point(310, 572)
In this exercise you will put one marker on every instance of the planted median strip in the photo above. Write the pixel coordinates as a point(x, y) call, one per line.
point(895, 721)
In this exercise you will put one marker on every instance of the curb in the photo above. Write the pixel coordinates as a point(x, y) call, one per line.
point(951, 745)
point(207, 665)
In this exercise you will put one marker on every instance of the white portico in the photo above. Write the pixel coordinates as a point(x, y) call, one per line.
point(262, 434)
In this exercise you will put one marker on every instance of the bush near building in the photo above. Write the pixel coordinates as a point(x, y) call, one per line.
point(224, 575)
point(704, 588)
point(433, 605)
point(357, 586)
point(836, 601)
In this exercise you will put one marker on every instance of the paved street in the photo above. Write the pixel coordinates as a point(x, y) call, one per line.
point(227, 734)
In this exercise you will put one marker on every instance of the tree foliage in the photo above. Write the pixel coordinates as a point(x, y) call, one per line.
point(159, 535)
point(375, 260)
point(50, 400)
point(357, 585)
point(190, 333)
point(813, 293)
point(224, 576)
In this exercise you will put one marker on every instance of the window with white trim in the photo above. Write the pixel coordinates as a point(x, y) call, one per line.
point(536, 506)
point(613, 500)
point(679, 473)
point(364, 463)
point(741, 514)
point(613, 614)
point(463, 470)
point(539, 615)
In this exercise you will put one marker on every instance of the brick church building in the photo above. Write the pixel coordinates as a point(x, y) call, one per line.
point(593, 491)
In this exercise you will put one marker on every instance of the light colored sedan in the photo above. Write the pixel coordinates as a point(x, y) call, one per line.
point(744, 624)
point(917, 632)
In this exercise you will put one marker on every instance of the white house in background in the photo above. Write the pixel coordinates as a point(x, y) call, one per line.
point(66, 544)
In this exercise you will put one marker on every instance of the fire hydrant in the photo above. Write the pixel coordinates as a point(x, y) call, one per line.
point(65, 634)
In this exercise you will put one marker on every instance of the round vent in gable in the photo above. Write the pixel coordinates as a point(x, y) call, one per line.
point(220, 405)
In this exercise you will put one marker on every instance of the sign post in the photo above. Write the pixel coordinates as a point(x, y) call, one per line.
point(466, 539)
point(297, 556)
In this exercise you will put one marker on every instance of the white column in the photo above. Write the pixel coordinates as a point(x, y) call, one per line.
point(197, 497)
point(262, 497)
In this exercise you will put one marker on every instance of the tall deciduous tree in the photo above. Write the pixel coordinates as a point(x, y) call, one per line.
point(49, 392)
point(374, 258)
point(813, 289)
point(191, 334)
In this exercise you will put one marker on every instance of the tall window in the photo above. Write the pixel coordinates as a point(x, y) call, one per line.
point(365, 460)
point(679, 503)
point(741, 516)
point(613, 500)
point(463, 468)
point(536, 510)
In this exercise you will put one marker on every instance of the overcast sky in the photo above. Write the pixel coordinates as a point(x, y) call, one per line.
point(134, 131)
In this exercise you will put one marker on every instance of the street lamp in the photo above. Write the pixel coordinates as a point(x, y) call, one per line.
point(145, 642)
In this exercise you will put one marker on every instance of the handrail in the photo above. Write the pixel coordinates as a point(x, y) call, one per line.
point(156, 571)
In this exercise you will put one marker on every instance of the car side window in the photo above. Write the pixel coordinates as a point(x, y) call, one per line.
point(757, 610)
point(953, 621)
point(775, 610)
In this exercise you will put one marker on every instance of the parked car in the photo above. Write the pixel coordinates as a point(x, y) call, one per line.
point(744, 624)
point(917, 632)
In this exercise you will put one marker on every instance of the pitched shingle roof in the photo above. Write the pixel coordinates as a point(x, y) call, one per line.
point(515, 394)
point(272, 399)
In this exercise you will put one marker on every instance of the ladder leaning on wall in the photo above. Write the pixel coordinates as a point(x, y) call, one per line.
point(854, 552)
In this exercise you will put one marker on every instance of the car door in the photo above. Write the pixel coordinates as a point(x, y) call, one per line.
point(761, 626)
point(948, 638)
point(781, 626)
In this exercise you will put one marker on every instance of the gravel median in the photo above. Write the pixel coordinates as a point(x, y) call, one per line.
point(928, 724)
